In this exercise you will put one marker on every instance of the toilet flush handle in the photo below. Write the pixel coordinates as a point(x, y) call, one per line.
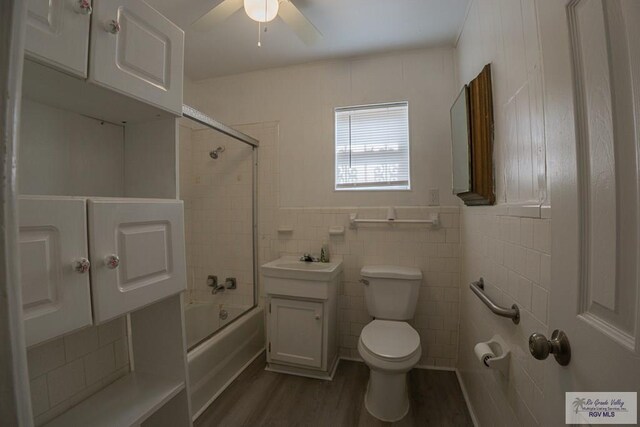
point(364, 282)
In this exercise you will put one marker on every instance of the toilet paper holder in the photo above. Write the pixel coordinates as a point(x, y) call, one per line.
point(497, 356)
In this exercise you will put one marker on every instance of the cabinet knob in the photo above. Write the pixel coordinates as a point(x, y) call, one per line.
point(112, 261)
point(317, 317)
point(113, 27)
point(82, 265)
point(83, 7)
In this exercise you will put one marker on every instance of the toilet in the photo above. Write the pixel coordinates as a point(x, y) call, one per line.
point(389, 345)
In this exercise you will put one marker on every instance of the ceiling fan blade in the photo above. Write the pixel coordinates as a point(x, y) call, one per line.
point(292, 16)
point(216, 15)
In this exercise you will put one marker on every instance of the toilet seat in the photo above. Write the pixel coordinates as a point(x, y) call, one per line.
point(393, 341)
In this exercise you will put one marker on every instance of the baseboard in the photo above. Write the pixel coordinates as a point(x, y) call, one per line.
point(435, 368)
point(474, 419)
point(429, 367)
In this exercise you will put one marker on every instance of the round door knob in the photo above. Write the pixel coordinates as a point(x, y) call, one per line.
point(558, 345)
point(83, 7)
point(112, 261)
point(113, 26)
point(82, 265)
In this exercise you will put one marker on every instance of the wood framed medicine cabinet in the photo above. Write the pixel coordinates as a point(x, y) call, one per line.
point(472, 139)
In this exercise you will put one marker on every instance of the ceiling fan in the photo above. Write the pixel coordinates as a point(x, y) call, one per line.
point(262, 11)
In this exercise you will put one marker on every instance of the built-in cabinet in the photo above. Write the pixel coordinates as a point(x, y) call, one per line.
point(58, 34)
point(103, 85)
point(54, 267)
point(137, 257)
point(134, 49)
point(137, 51)
point(138, 250)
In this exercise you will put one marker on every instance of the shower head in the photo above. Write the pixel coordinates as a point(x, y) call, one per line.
point(214, 154)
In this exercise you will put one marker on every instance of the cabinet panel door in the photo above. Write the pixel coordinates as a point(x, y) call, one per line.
point(295, 332)
point(52, 238)
point(58, 34)
point(137, 51)
point(147, 237)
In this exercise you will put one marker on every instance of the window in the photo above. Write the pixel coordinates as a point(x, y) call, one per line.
point(372, 147)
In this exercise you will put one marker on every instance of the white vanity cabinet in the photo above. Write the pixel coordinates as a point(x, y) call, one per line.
point(302, 318)
point(296, 328)
point(138, 253)
point(137, 258)
point(58, 34)
point(135, 50)
point(54, 267)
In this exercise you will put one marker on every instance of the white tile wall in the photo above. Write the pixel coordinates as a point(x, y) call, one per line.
point(500, 249)
point(293, 111)
point(505, 34)
point(511, 253)
point(69, 369)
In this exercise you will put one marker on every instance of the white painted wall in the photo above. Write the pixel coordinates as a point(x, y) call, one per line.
point(512, 253)
point(64, 153)
point(302, 99)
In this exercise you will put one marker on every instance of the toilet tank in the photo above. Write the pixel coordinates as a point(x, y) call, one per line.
point(391, 292)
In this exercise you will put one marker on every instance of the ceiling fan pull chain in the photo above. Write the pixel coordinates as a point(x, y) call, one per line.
point(259, 35)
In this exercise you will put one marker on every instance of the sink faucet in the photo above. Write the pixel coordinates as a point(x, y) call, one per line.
point(309, 258)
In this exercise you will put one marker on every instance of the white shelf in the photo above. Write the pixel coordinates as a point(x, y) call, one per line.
point(127, 402)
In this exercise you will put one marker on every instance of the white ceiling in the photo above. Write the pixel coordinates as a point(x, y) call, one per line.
point(350, 28)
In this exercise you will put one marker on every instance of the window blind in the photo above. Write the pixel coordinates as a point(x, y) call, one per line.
point(372, 147)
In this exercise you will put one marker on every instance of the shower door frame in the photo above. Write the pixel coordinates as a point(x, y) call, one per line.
point(203, 119)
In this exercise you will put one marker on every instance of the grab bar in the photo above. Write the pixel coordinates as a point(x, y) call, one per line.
point(512, 313)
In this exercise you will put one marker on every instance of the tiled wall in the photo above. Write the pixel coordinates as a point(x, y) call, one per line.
point(296, 177)
point(67, 370)
point(434, 251)
point(504, 33)
point(218, 214)
point(513, 256)
point(511, 253)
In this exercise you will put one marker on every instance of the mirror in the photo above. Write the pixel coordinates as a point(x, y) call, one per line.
point(461, 142)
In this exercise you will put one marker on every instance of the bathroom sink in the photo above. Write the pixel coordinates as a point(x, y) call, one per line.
point(292, 268)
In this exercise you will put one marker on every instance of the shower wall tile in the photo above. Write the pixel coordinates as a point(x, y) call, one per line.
point(69, 369)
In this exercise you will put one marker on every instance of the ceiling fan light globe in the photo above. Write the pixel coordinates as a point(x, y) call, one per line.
point(261, 10)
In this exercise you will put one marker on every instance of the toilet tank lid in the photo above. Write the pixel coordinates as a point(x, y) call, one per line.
point(391, 272)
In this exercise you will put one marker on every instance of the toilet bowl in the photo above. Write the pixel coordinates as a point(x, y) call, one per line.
point(390, 349)
point(389, 345)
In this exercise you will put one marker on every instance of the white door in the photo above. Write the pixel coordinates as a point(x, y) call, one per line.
point(58, 34)
point(137, 252)
point(137, 51)
point(55, 285)
point(295, 332)
point(591, 56)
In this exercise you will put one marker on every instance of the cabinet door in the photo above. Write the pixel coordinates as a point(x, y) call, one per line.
point(295, 332)
point(52, 239)
point(58, 34)
point(137, 252)
point(137, 51)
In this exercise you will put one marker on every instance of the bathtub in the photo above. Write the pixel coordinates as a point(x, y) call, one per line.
point(218, 360)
